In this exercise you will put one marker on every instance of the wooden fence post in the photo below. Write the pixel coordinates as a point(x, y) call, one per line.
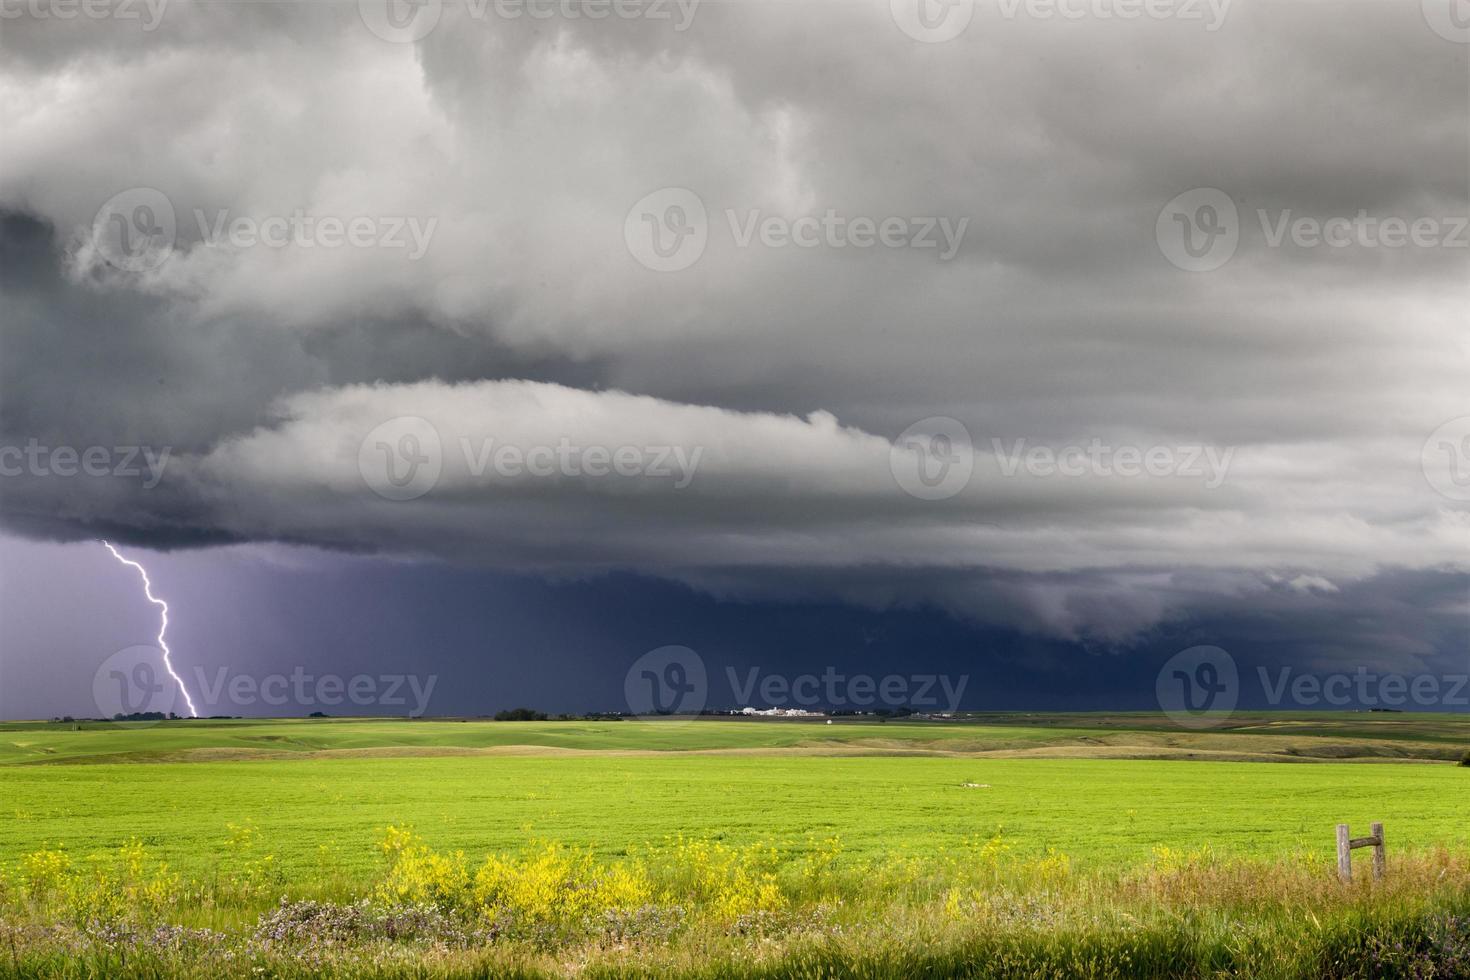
point(1345, 845)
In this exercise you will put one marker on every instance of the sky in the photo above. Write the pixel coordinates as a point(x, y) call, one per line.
point(1024, 354)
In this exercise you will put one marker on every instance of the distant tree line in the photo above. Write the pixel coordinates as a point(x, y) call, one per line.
point(531, 714)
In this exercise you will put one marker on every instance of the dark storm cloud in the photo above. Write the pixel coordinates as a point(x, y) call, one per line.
point(1058, 322)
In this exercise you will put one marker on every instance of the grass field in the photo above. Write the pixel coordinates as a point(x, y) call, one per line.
point(1097, 811)
point(1276, 736)
point(906, 833)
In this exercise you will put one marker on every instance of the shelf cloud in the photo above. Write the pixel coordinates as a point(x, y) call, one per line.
point(791, 300)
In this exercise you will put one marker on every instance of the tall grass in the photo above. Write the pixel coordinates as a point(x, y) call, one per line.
point(704, 908)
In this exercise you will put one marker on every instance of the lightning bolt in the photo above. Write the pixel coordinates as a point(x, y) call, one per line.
point(163, 627)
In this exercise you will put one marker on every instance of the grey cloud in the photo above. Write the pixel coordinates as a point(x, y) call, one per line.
point(1058, 321)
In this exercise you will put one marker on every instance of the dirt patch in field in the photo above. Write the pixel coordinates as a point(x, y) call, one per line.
point(1221, 745)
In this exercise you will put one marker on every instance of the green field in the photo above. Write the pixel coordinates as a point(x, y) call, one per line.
point(1275, 736)
point(244, 812)
point(912, 786)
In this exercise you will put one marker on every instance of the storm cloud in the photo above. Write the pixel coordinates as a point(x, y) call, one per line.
point(412, 298)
